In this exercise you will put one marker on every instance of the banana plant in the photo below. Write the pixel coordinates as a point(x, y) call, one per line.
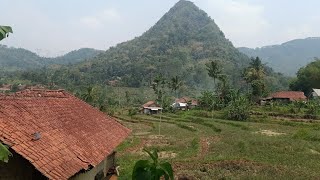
point(152, 170)
point(4, 31)
point(4, 152)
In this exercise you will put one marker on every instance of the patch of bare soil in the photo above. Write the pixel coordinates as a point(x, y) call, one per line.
point(269, 133)
point(137, 148)
point(181, 168)
point(205, 143)
point(167, 154)
point(156, 140)
point(148, 141)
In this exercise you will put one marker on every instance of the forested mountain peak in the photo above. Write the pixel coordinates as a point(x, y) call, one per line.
point(179, 44)
point(183, 18)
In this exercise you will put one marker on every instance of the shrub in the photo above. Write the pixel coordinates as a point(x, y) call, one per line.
point(312, 108)
point(238, 108)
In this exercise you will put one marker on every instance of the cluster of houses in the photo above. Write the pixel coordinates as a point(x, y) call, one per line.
point(184, 103)
point(290, 96)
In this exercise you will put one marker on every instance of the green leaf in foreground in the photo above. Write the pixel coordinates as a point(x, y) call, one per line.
point(4, 153)
point(145, 169)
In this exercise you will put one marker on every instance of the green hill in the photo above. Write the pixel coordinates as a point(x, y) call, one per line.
point(180, 43)
point(13, 59)
point(287, 57)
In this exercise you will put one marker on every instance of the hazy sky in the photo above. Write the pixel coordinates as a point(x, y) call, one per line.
point(53, 27)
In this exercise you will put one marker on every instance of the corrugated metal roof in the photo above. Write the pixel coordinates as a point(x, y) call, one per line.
point(316, 91)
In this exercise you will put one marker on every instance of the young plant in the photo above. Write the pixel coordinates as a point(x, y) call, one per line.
point(4, 153)
point(152, 170)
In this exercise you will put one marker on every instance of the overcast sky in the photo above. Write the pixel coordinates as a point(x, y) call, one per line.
point(53, 27)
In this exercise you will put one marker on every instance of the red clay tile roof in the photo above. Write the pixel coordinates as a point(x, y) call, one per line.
point(292, 95)
point(73, 134)
point(186, 100)
point(150, 104)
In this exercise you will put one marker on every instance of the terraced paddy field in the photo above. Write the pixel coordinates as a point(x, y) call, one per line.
point(202, 146)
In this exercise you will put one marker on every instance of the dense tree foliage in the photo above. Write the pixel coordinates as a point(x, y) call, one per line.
point(307, 78)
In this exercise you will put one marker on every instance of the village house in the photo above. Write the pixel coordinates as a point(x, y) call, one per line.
point(315, 94)
point(185, 103)
point(151, 107)
point(54, 135)
point(5, 87)
point(287, 96)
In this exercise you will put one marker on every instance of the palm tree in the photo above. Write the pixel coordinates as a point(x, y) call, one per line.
point(214, 70)
point(175, 84)
point(88, 95)
point(158, 86)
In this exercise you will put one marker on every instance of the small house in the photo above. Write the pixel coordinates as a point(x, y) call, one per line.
point(287, 96)
point(315, 94)
point(54, 135)
point(5, 87)
point(151, 107)
point(185, 103)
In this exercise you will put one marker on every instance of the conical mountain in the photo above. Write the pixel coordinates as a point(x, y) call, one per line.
point(180, 43)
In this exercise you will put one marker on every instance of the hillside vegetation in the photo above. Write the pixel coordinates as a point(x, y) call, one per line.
point(180, 44)
point(13, 59)
point(288, 57)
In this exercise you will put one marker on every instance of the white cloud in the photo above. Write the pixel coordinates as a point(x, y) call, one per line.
point(239, 20)
point(102, 18)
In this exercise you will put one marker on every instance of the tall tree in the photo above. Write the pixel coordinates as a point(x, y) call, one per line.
point(254, 75)
point(158, 86)
point(214, 70)
point(175, 84)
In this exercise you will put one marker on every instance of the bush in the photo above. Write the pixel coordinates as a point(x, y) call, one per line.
point(238, 108)
point(132, 112)
point(312, 108)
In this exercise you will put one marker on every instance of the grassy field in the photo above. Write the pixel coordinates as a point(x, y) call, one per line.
point(202, 147)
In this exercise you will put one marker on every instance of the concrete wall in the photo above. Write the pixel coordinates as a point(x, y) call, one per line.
point(103, 167)
point(19, 168)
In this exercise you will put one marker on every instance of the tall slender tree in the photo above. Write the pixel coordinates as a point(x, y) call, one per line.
point(254, 75)
point(175, 84)
point(214, 70)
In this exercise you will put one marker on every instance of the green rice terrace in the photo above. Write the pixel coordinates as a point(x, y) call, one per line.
point(202, 145)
